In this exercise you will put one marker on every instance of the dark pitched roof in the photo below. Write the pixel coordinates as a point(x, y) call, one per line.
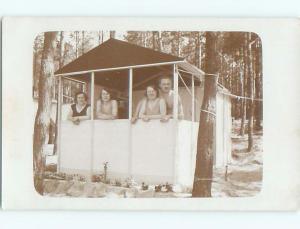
point(115, 53)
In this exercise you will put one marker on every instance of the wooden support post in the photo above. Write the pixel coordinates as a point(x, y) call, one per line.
point(175, 98)
point(92, 95)
point(130, 88)
point(92, 122)
point(193, 98)
point(175, 118)
point(58, 124)
point(130, 94)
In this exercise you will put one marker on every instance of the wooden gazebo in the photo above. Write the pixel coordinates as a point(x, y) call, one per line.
point(153, 151)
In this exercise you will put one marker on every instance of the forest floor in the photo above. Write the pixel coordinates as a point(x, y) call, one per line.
point(244, 171)
point(243, 179)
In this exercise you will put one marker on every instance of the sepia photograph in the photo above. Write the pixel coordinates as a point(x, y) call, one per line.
point(147, 114)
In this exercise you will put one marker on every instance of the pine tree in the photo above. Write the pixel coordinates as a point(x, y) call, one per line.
point(42, 119)
point(206, 135)
point(251, 93)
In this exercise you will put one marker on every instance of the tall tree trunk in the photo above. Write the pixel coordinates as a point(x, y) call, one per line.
point(244, 101)
point(159, 41)
point(42, 119)
point(112, 34)
point(154, 44)
point(239, 82)
point(100, 36)
point(258, 87)
point(76, 43)
point(35, 73)
point(82, 42)
point(259, 108)
point(206, 135)
point(175, 43)
point(197, 49)
point(61, 64)
point(251, 95)
point(61, 49)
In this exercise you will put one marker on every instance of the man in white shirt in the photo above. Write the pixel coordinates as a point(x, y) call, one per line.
point(166, 92)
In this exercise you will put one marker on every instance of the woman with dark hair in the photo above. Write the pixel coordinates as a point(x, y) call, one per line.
point(80, 110)
point(151, 106)
point(106, 108)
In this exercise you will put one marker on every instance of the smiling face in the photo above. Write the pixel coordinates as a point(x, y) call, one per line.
point(81, 100)
point(105, 96)
point(151, 93)
point(165, 85)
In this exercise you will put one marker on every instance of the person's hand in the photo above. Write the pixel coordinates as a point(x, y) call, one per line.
point(146, 119)
point(76, 121)
point(165, 119)
point(133, 120)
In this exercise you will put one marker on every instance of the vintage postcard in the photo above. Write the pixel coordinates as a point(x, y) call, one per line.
point(150, 114)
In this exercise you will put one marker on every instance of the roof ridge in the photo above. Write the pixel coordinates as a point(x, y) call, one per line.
point(116, 53)
point(139, 46)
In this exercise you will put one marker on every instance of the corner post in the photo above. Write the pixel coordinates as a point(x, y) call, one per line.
point(130, 94)
point(92, 85)
point(92, 94)
point(193, 98)
point(59, 104)
point(175, 126)
point(175, 98)
point(130, 87)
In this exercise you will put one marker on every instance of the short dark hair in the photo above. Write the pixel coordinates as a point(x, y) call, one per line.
point(109, 91)
point(80, 93)
point(154, 87)
point(164, 77)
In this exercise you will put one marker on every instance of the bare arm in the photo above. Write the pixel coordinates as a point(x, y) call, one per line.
point(162, 109)
point(141, 109)
point(136, 114)
point(114, 114)
point(70, 115)
point(87, 116)
point(137, 110)
point(114, 109)
point(180, 108)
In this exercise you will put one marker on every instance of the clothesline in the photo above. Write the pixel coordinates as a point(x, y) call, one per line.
point(241, 97)
point(217, 75)
point(238, 96)
point(230, 94)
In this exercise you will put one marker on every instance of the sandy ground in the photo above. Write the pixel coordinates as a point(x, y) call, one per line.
point(245, 171)
point(243, 179)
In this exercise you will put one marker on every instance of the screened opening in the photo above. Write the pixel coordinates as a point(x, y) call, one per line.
point(148, 76)
point(69, 88)
point(111, 95)
point(189, 85)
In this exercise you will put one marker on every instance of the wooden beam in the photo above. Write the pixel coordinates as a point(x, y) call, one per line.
point(193, 99)
point(58, 124)
point(119, 68)
point(92, 94)
point(175, 98)
point(175, 118)
point(130, 88)
point(148, 79)
point(71, 79)
point(130, 93)
point(92, 123)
